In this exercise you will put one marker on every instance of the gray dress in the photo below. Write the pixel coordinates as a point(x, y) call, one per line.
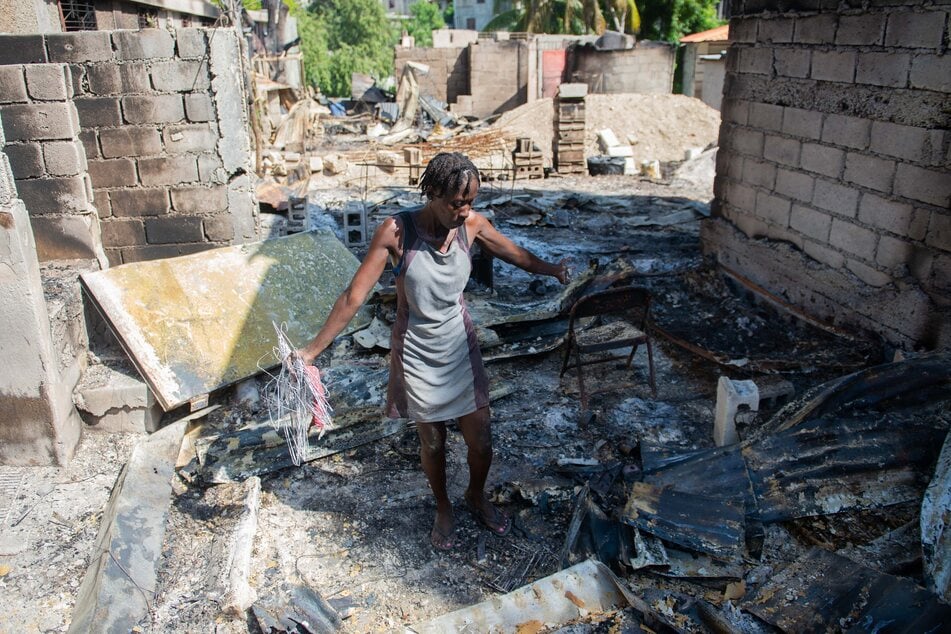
point(436, 370)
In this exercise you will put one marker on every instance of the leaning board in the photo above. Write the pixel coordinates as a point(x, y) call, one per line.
point(199, 322)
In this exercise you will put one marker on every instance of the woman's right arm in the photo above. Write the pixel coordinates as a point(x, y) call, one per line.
point(385, 241)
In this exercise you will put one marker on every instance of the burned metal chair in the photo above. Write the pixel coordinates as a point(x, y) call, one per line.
point(610, 335)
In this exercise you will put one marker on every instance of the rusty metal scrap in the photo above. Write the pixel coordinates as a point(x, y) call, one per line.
point(697, 522)
point(831, 465)
point(824, 592)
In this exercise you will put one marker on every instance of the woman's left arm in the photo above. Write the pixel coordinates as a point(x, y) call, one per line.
point(497, 245)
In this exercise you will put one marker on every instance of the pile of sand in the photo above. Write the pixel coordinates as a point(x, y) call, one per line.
point(661, 127)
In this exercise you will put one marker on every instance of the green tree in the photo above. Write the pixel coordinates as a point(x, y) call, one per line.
point(358, 39)
point(573, 17)
point(669, 20)
point(426, 16)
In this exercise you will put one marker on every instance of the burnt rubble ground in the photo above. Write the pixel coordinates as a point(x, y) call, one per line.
point(354, 527)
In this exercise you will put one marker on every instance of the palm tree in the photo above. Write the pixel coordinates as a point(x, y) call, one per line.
point(574, 17)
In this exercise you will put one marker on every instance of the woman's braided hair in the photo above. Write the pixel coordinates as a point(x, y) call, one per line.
point(448, 172)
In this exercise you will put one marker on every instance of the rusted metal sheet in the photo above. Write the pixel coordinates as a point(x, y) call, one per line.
point(196, 323)
point(718, 472)
point(832, 465)
point(697, 522)
point(912, 378)
point(584, 589)
point(824, 592)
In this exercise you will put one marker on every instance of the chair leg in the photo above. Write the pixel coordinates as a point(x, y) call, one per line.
point(584, 395)
point(650, 366)
point(630, 357)
point(566, 358)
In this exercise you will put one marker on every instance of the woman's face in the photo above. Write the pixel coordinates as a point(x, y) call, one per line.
point(453, 208)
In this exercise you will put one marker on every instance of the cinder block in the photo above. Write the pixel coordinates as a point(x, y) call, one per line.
point(810, 222)
point(836, 198)
point(893, 253)
point(741, 196)
point(122, 232)
point(834, 66)
point(851, 132)
point(871, 171)
point(781, 150)
point(79, 47)
point(118, 79)
point(931, 72)
point(103, 204)
point(942, 272)
point(180, 76)
point(200, 137)
point(219, 228)
point(860, 30)
point(38, 122)
point(776, 29)
point(816, 29)
point(144, 44)
point(883, 69)
point(90, 143)
point(210, 169)
point(822, 253)
point(730, 396)
point(751, 226)
point(869, 275)
point(853, 239)
point(735, 111)
point(112, 173)
point(746, 141)
point(139, 202)
point(755, 60)
point(168, 171)
point(199, 108)
point(822, 159)
point(773, 209)
point(77, 77)
point(174, 229)
point(802, 123)
point(766, 116)
point(98, 112)
point(939, 231)
point(190, 43)
point(929, 186)
point(911, 29)
point(64, 158)
point(129, 141)
point(794, 184)
point(153, 109)
point(792, 62)
point(54, 196)
point(743, 29)
point(759, 174)
point(114, 401)
point(914, 144)
point(199, 200)
point(26, 159)
point(22, 49)
point(158, 252)
point(12, 84)
point(890, 215)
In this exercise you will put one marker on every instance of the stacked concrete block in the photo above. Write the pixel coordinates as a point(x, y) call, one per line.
point(646, 69)
point(527, 159)
point(569, 129)
point(448, 75)
point(498, 76)
point(43, 144)
point(835, 140)
point(38, 423)
point(162, 121)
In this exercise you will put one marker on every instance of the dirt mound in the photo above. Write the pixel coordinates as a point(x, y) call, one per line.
point(662, 127)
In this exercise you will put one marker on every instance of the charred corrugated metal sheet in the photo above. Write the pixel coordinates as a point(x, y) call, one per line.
point(716, 472)
point(698, 522)
point(831, 465)
point(825, 592)
point(936, 526)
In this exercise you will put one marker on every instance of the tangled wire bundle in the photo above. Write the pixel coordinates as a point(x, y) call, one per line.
point(296, 398)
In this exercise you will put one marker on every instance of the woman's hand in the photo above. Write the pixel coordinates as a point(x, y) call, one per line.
point(562, 272)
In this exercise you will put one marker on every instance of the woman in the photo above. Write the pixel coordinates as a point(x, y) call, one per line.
point(436, 371)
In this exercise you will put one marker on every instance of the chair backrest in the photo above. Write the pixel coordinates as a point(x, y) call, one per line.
point(613, 300)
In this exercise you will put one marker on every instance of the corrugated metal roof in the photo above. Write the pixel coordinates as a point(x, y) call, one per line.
point(719, 34)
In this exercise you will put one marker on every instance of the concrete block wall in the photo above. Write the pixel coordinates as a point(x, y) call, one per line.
point(163, 121)
point(38, 423)
point(835, 141)
point(498, 75)
point(646, 69)
point(448, 70)
point(43, 145)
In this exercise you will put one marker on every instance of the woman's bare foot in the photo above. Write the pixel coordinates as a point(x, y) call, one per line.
point(444, 527)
